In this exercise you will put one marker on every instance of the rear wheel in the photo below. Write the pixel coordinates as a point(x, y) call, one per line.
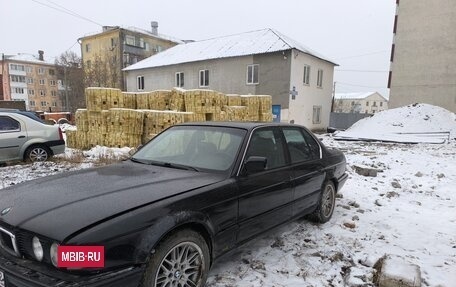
point(181, 260)
point(37, 153)
point(325, 208)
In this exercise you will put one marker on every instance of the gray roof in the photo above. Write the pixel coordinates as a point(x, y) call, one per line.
point(244, 44)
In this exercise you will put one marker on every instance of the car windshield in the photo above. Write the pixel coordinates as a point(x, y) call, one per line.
point(193, 147)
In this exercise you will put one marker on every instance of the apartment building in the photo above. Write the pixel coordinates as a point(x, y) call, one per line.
point(423, 58)
point(30, 78)
point(105, 54)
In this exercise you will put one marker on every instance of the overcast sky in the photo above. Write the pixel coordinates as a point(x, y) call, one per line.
point(357, 34)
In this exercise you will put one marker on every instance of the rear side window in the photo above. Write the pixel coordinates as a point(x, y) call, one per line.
point(297, 145)
point(301, 145)
point(8, 124)
point(313, 145)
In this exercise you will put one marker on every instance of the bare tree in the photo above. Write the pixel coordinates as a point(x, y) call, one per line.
point(102, 71)
point(69, 68)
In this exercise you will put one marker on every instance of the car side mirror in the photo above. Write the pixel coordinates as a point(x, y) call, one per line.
point(255, 164)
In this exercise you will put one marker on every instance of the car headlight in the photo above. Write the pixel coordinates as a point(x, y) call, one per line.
point(37, 248)
point(53, 254)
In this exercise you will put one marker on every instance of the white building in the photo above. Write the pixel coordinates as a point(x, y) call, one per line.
point(263, 62)
point(367, 103)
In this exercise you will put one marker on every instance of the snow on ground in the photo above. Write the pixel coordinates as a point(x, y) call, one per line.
point(402, 124)
point(407, 211)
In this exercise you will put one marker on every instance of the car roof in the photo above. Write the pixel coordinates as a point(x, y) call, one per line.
point(242, 125)
point(30, 115)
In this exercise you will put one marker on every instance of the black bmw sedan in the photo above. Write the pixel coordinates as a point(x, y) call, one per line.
point(161, 218)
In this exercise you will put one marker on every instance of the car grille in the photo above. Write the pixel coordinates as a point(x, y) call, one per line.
point(8, 241)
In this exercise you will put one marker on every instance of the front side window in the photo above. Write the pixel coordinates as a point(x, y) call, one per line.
point(200, 147)
point(316, 118)
point(204, 78)
point(252, 74)
point(88, 48)
point(180, 79)
point(306, 78)
point(31, 92)
point(51, 72)
point(140, 83)
point(8, 124)
point(43, 104)
point(320, 78)
point(17, 90)
point(42, 81)
point(266, 142)
point(41, 71)
point(32, 103)
point(367, 103)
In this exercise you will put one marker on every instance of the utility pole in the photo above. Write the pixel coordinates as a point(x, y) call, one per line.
point(333, 97)
point(67, 106)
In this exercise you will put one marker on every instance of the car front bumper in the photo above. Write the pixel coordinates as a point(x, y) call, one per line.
point(25, 273)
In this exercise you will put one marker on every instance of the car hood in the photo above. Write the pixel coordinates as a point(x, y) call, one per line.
point(60, 205)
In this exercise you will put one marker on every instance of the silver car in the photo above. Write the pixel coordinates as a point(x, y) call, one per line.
point(23, 136)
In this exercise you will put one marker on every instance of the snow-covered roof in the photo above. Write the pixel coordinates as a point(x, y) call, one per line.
point(356, 96)
point(138, 30)
point(244, 44)
point(23, 57)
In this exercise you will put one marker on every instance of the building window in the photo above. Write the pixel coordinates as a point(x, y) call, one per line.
point(367, 103)
point(88, 48)
point(15, 67)
point(141, 42)
point(32, 103)
point(29, 80)
point(89, 64)
point(29, 69)
point(204, 78)
point(51, 72)
point(43, 103)
point(130, 40)
point(54, 104)
point(31, 92)
point(17, 79)
point(54, 93)
point(306, 77)
point(316, 118)
point(42, 93)
point(41, 71)
point(320, 78)
point(146, 46)
point(17, 90)
point(381, 104)
point(374, 104)
point(140, 83)
point(42, 81)
point(52, 82)
point(252, 74)
point(112, 42)
point(180, 79)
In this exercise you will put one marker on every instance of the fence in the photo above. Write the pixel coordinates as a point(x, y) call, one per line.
point(342, 121)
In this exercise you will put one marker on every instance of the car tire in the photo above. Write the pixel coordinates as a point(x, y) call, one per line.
point(180, 258)
point(326, 204)
point(37, 153)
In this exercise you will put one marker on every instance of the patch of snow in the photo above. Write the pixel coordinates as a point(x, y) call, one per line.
point(411, 124)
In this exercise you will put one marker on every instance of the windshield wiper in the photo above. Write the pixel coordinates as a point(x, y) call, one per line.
point(138, 161)
point(179, 166)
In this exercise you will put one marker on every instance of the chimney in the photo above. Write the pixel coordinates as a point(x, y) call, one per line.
point(154, 25)
point(41, 55)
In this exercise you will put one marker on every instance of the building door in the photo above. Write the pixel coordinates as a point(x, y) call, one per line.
point(276, 109)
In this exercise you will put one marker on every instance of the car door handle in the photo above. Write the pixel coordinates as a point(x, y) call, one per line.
point(21, 137)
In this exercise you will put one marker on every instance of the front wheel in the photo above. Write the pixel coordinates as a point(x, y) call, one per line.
point(181, 260)
point(326, 205)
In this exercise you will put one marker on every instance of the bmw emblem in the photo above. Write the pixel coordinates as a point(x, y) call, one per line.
point(6, 210)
